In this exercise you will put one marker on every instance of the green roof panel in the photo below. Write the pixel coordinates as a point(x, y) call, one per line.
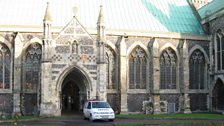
point(211, 8)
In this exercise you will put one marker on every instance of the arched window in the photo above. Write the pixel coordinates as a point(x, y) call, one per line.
point(137, 69)
point(220, 50)
point(197, 70)
point(168, 64)
point(32, 66)
point(111, 68)
point(4, 67)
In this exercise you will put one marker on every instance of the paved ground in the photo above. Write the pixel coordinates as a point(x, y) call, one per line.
point(77, 120)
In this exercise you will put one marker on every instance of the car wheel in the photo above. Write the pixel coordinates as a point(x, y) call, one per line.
point(84, 117)
point(111, 120)
point(91, 118)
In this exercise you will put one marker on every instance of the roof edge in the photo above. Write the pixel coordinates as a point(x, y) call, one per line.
point(56, 30)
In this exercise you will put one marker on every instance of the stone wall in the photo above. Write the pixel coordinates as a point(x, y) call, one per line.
point(135, 102)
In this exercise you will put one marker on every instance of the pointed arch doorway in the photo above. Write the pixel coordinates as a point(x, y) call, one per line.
point(74, 90)
point(218, 96)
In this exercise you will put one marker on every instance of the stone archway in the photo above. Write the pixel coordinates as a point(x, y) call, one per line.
point(218, 96)
point(74, 90)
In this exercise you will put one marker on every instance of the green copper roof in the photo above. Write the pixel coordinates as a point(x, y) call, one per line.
point(211, 8)
point(175, 15)
point(129, 15)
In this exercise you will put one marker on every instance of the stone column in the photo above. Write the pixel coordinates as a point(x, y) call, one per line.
point(17, 72)
point(101, 92)
point(186, 106)
point(156, 78)
point(123, 74)
point(49, 105)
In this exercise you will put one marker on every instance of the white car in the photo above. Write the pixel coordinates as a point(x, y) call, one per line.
point(98, 110)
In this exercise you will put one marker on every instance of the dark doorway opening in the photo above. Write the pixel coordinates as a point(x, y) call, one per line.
point(218, 96)
point(73, 91)
point(70, 97)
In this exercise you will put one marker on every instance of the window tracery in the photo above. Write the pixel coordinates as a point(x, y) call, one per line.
point(111, 68)
point(168, 64)
point(5, 67)
point(220, 50)
point(32, 66)
point(197, 69)
point(137, 69)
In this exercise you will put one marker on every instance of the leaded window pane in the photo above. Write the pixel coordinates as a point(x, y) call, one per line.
point(218, 43)
point(4, 67)
point(137, 73)
point(202, 70)
point(143, 73)
point(131, 74)
point(137, 69)
point(218, 61)
point(218, 40)
point(111, 69)
point(32, 66)
point(168, 69)
point(162, 74)
point(7, 70)
point(173, 76)
point(192, 70)
point(197, 69)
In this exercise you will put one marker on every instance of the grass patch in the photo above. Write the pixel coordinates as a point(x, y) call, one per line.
point(178, 116)
point(20, 118)
point(177, 123)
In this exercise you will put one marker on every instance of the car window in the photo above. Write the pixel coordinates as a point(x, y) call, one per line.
point(100, 105)
point(89, 105)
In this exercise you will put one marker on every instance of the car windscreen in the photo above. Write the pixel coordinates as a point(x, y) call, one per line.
point(100, 105)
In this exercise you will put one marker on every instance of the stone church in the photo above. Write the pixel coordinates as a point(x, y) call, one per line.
point(142, 56)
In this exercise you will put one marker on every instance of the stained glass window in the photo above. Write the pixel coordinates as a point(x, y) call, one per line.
point(197, 69)
point(168, 62)
point(111, 68)
point(4, 67)
point(220, 50)
point(137, 69)
point(32, 66)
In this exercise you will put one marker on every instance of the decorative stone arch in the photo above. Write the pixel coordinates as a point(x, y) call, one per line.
point(162, 49)
point(202, 50)
point(112, 46)
point(112, 85)
point(218, 95)
point(6, 54)
point(33, 40)
point(136, 44)
point(27, 44)
point(32, 86)
point(169, 45)
point(218, 35)
point(217, 78)
point(79, 77)
point(68, 70)
point(129, 51)
point(5, 42)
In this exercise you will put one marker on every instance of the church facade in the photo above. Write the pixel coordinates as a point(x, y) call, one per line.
point(137, 67)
